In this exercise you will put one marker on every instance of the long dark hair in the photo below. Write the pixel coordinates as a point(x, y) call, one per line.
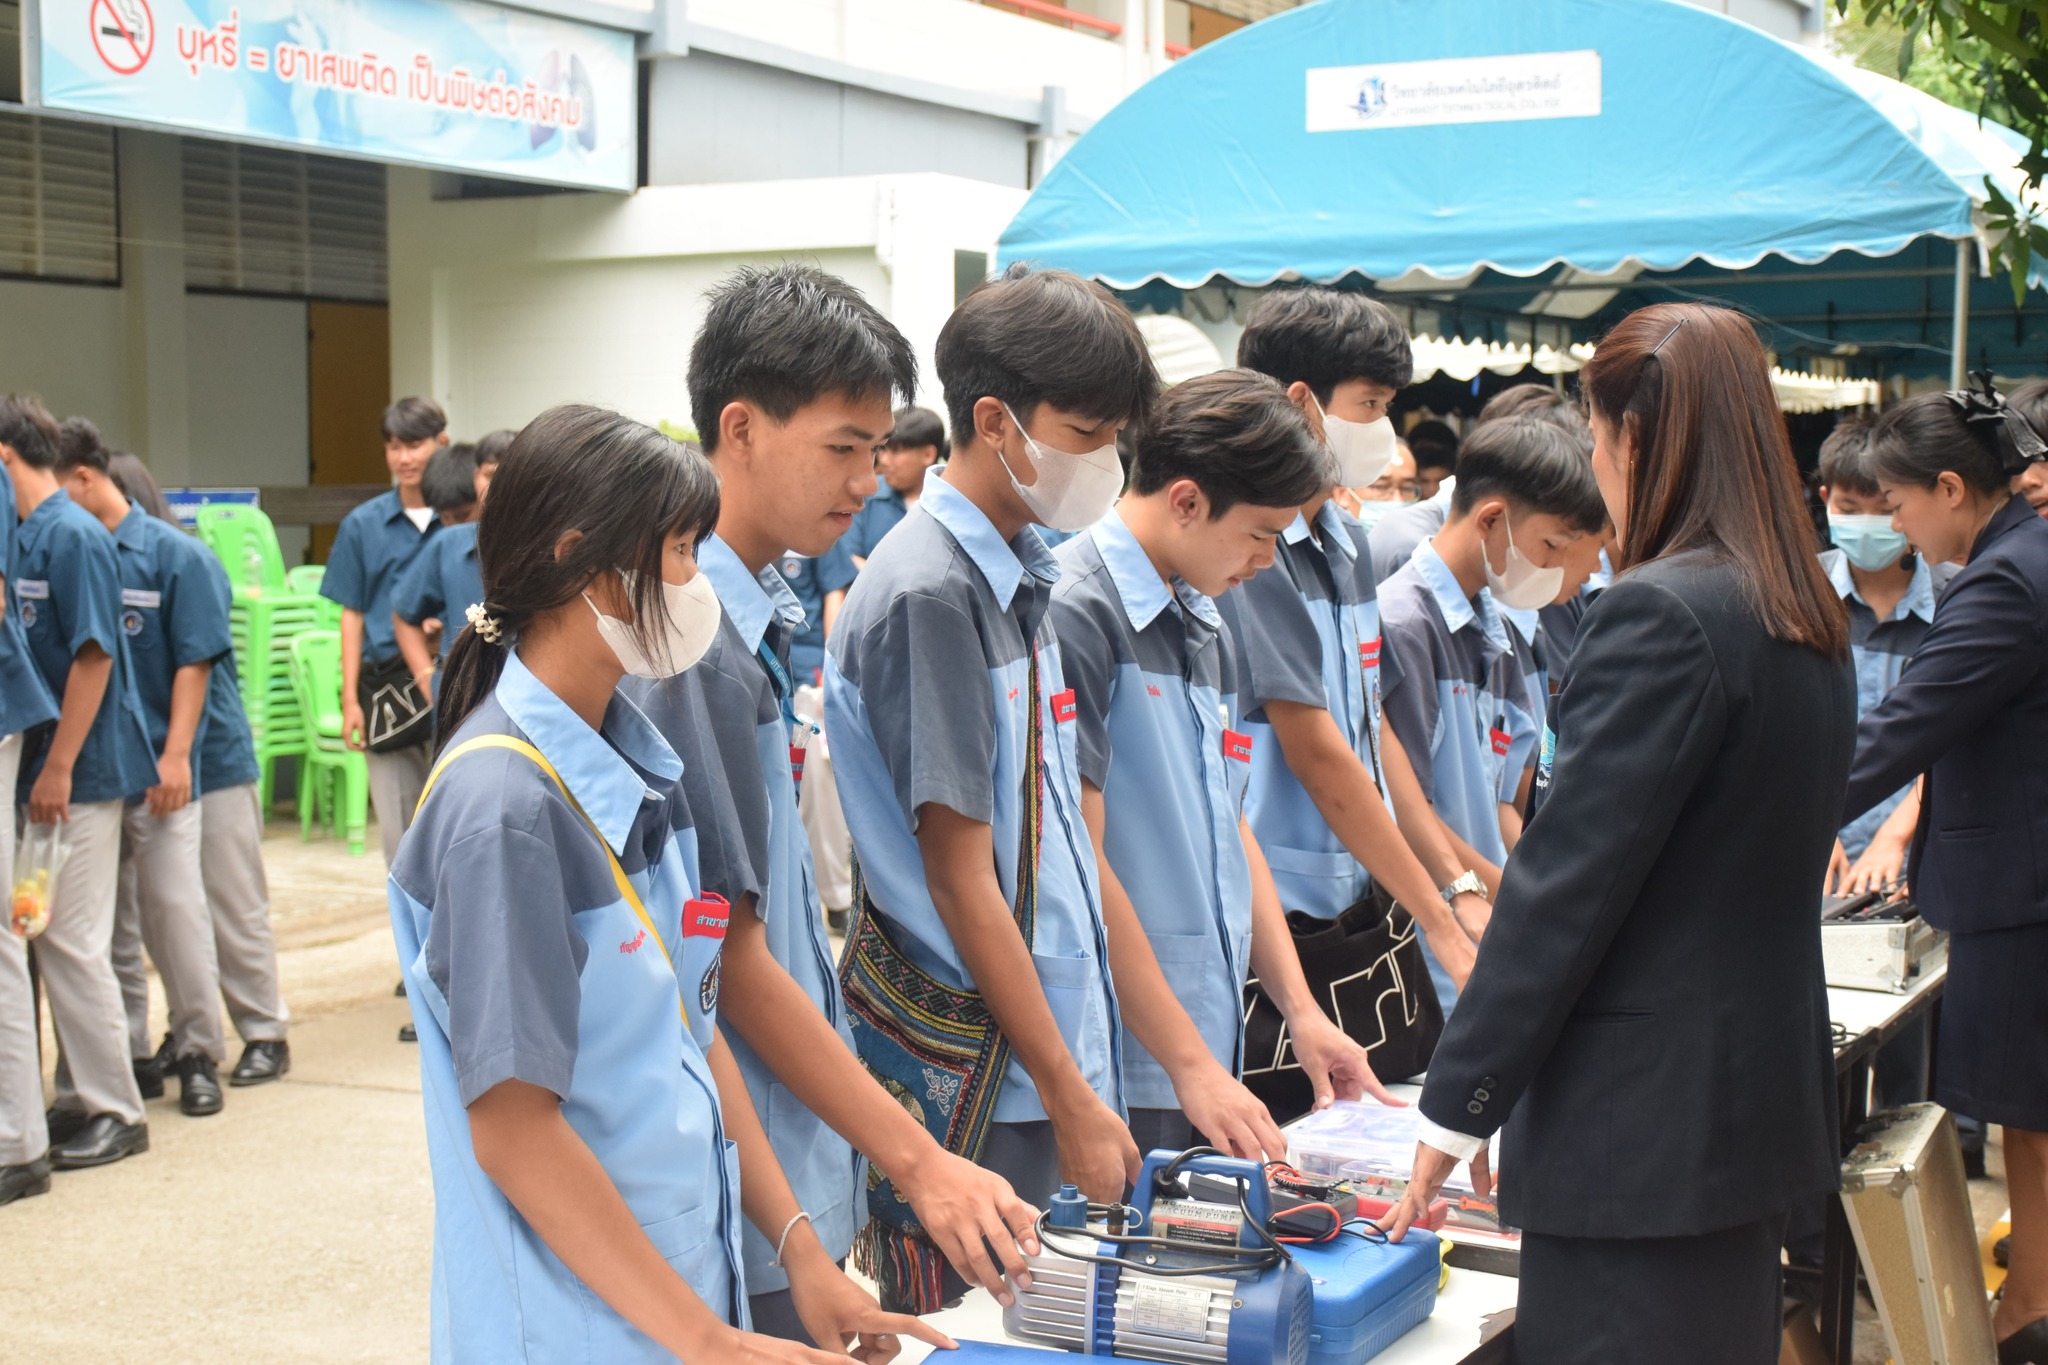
point(625, 486)
point(1691, 387)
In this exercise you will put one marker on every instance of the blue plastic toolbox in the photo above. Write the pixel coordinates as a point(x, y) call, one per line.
point(1368, 1294)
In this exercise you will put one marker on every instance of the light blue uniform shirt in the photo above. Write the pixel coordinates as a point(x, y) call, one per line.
point(927, 700)
point(1155, 691)
point(730, 698)
point(876, 518)
point(1307, 630)
point(1461, 707)
point(67, 581)
point(1881, 650)
point(523, 962)
point(173, 617)
point(25, 699)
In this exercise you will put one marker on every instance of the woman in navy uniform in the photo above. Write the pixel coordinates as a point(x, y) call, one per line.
point(1971, 712)
point(1648, 1001)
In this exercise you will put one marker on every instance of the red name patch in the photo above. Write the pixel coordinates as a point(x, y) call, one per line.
point(1369, 653)
point(707, 916)
point(1500, 743)
point(1237, 746)
point(1064, 707)
point(796, 763)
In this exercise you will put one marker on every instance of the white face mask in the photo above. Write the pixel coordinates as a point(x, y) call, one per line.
point(1363, 450)
point(1521, 585)
point(1073, 492)
point(689, 622)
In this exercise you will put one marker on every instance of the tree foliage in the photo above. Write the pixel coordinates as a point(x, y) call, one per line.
point(1984, 56)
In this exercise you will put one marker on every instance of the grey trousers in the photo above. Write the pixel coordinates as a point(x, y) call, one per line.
point(396, 780)
point(23, 1137)
point(238, 894)
point(75, 957)
point(161, 906)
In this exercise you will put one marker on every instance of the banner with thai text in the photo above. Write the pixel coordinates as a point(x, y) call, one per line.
point(454, 84)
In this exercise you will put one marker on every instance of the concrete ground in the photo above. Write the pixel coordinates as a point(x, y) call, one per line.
point(297, 1224)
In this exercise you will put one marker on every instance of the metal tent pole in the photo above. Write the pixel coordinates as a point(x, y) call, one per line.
point(1959, 338)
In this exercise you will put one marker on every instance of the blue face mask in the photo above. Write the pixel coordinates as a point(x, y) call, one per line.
point(1869, 542)
point(1371, 513)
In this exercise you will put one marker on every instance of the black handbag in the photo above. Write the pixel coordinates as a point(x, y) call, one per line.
point(395, 714)
point(1366, 969)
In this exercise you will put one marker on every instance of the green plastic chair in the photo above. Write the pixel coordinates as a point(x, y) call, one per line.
point(334, 780)
point(305, 578)
point(244, 540)
point(262, 626)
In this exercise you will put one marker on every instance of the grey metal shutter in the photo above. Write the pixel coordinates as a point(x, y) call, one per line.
point(263, 221)
point(58, 211)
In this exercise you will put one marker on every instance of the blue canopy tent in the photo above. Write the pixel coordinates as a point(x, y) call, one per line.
point(1528, 173)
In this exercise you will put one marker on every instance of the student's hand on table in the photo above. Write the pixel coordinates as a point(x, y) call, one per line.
point(1838, 872)
point(1453, 949)
point(961, 1207)
point(1233, 1119)
point(1097, 1154)
point(49, 800)
point(1334, 1062)
point(354, 729)
point(1473, 913)
point(173, 789)
point(750, 1348)
point(1881, 864)
point(839, 1314)
point(1432, 1168)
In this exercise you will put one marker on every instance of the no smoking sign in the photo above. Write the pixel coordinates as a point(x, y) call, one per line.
point(123, 33)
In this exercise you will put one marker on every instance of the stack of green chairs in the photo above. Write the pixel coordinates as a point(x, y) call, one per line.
point(306, 578)
point(334, 780)
point(267, 610)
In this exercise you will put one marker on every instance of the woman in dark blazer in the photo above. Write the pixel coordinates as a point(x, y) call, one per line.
point(1971, 712)
point(1648, 1014)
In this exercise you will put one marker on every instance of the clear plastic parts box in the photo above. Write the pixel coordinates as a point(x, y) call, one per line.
point(1371, 1148)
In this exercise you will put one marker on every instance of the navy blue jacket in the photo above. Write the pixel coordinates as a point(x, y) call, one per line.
point(1971, 711)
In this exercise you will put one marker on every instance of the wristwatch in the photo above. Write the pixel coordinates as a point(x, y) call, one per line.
point(1467, 882)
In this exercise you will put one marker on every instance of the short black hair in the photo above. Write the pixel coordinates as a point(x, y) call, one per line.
point(1033, 336)
point(1433, 444)
point(1323, 337)
point(492, 445)
point(1845, 461)
point(449, 481)
point(139, 486)
point(79, 445)
point(1533, 464)
point(1543, 403)
point(28, 428)
point(917, 428)
point(1236, 434)
point(412, 420)
point(784, 338)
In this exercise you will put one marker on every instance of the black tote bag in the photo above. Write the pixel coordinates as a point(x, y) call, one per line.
point(1366, 969)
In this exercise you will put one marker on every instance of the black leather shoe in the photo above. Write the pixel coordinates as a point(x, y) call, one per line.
point(2028, 1346)
point(198, 1086)
point(103, 1141)
point(19, 1182)
point(263, 1060)
point(64, 1124)
point(408, 1034)
point(150, 1071)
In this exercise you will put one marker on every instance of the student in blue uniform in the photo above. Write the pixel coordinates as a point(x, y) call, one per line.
point(1461, 703)
point(177, 628)
point(376, 543)
point(953, 739)
point(562, 967)
point(67, 580)
point(1327, 777)
point(917, 441)
point(791, 429)
point(443, 582)
point(1220, 472)
point(230, 838)
point(25, 703)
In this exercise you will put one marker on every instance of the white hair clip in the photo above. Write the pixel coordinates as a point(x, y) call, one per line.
point(488, 627)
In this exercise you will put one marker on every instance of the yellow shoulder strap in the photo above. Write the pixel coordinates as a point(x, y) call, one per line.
point(520, 746)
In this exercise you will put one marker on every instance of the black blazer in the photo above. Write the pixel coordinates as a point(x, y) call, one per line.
point(1971, 711)
point(1649, 1001)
